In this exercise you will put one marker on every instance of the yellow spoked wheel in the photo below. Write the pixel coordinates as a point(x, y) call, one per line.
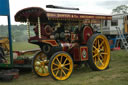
point(40, 64)
point(60, 65)
point(99, 52)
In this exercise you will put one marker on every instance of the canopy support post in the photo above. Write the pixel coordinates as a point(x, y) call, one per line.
point(39, 28)
point(101, 27)
point(28, 28)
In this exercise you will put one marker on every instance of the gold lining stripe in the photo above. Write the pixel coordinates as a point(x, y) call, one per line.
point(50, 42)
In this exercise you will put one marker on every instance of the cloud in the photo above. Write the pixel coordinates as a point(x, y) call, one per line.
point(110, 4)
point(87, 6)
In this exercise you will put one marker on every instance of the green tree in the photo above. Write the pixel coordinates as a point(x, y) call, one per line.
point(122, 9)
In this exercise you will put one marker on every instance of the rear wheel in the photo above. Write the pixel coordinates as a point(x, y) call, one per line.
point(99, 52)
point(40, 64)
point(60, 66)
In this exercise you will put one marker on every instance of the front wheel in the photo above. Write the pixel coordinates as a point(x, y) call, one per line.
point(98, 52)
point(40, 64)
point(60, 66)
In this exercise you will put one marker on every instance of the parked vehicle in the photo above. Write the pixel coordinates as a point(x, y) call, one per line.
point(64, 40)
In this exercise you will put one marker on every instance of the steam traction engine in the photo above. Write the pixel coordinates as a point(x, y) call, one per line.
point(64, 40)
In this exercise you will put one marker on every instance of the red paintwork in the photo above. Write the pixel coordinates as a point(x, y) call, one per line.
point(43, 39)
point(17, 52)
point(74, 36)
point(82, 48)
point(76, 53)
point(44, 35)
point(87, 32)
point(44, 30)
point(68, 46)
point(31, 13)
point(117, 48)
point(65, 46)
point(51, 42)
point(37, 38)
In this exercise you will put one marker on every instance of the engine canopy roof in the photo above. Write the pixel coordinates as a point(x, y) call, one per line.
point(32, 13)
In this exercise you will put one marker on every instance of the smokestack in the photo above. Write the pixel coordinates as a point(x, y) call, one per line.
point(60, 7)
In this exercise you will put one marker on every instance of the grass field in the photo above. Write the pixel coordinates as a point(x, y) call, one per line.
point(23, 46)
point(117, 74)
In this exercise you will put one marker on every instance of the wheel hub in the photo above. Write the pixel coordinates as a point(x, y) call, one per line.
point(60, 66)
point(98, 51)
point(42, 63)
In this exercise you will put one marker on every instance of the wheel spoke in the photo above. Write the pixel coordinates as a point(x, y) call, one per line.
point(38, 70)
point(65, 61)
point(58, 60)
point(95, 47)
point(46, 61)
point(61, 59)
point(66, 68)
point(100, 61)
point(101, 43)
point(63, 72)
point(67, 64)
point(94, 51)
point(42, 58)
point(104, 53)
point(55, 64)
point(46, 69)
point(55, 69)
point(95, 55)
point(37, 65)
point(57, 72)
point(98, 44)
point(43, 68)
point(102, 48)
point(102, 57)
point(37, 61)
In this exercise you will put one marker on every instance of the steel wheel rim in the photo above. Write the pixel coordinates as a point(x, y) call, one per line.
point(41, 65)
point(62, 66)
point(101, 52)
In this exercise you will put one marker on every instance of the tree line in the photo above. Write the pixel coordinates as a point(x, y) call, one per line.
point(18, 32)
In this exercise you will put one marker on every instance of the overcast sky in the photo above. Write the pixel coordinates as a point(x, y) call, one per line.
point(89, 6)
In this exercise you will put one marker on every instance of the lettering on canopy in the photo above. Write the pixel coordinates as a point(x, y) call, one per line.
point(77, 16)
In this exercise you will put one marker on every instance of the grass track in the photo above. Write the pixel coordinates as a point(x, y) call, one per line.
point(117, 74)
